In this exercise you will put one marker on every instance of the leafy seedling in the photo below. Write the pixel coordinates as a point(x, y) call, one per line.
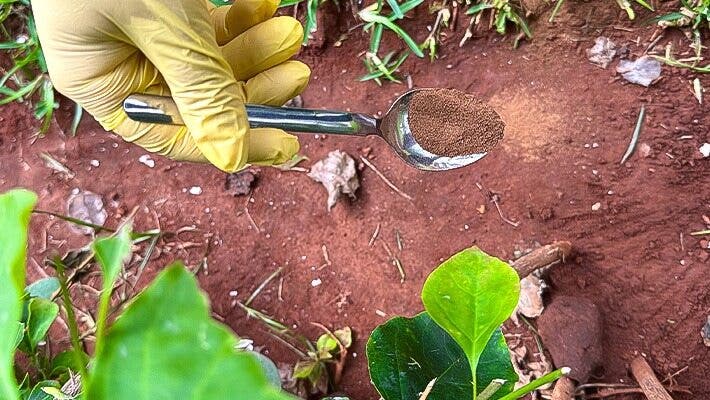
point(457, 342)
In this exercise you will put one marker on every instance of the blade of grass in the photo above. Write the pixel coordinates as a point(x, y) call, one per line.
point(371, 17)
point(635, 136)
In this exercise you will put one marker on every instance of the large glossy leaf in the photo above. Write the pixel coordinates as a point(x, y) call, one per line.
point(405, 354)
point(15, 209)
point(470, 295)
point(166, 346)
point(42, 314)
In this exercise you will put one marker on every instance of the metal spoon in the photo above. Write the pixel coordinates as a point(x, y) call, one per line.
point(393, 127)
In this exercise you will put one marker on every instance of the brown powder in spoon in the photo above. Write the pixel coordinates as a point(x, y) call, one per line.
point(451, 123)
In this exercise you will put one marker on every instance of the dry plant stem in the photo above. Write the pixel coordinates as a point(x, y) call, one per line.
point(374, 235)
point(263, 285)
point(384, 178)
point(564, 389)
point(492, 198)
point(542, 257)
point(649, 383)
point(427, 390)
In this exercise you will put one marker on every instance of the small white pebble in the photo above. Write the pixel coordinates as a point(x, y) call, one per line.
point(611, 192)
point(586, 145)
point(303, 258)
point(316, 282)
point(233, 293)
point(94, 163)
point(380, 313)
point(195, 190)
point(268, 236)
point(207, 210)
point(682, 262)
point(114, 145)
point(705, 150)
point(354, 355)
point(595, 145)
point(596, 206)
point(465, 227)
point(146, 160)
point(595, 172)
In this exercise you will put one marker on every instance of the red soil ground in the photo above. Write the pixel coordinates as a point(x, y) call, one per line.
point(569, 123)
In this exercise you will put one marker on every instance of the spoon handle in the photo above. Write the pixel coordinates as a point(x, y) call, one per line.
point(163, 110)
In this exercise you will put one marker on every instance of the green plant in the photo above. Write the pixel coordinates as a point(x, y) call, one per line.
point(163, 344)
point(28, 75)
point(454, 349)
point(501, 13)
point(693, 14)
point(375, 24)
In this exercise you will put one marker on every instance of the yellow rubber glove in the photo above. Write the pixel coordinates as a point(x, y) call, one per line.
point(210, 60)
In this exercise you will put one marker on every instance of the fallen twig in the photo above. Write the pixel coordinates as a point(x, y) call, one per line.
point(701, 233)
point(635, 136)
point(397, 263)
point(494, 199)
point(649, 383)
point(398, 237)
point(251, 220)
point(384, 178)
point(52, 163)
point(374, 235)
point(542, 257)
point(262, 286)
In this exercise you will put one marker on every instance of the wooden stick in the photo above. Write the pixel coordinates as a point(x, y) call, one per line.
point(564, 389)
point(649, 383)
point(545, 256)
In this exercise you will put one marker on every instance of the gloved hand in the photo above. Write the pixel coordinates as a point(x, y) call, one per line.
point(211, 60)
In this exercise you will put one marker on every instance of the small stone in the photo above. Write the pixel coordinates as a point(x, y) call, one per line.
point(705, 332)
point(380, 313)
point(481, 209)
point(316, 282)
point(595, 145)
point(603, 52)
point(233, 293)
point(195, 190)
point(94, 163)
point(645, 150)
point(146, 160)
point(705, 150)
point(596, 206)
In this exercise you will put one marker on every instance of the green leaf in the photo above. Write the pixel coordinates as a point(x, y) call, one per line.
point(270, 369)
point(45, 288)
point(166, 346)
point(308, 369)
point(399, 355)
point(478, 8)
point(326, 343)
point(38, 392)
point(65, 361)
point(345, 336)
point(20, 334)
point(110, 253)
point(470, 295)
point(15, 209)
point(42, 313)
point(401, 362)
point(495, 363)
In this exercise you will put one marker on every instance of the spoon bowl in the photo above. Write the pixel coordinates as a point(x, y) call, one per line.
point(393, 127)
